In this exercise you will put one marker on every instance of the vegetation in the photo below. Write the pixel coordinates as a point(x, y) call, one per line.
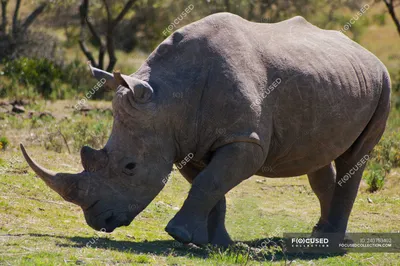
point(385, 156)
point(3, 143)
point(29, 78)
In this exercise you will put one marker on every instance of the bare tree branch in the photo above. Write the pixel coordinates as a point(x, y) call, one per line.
point(83, 13)
point(109, 39)
point(98, 39)
point(87, 53)
point(93, 30)
point(65, 140)
point(390, 6)
point(109, 46)
point(32, 16)
point(3, 26)
point(15, 18)
point(111, 52)
point(109, 17)
point(110, 28)
point(122, 14)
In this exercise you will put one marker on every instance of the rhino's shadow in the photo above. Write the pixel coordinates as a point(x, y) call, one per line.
point(171, 247)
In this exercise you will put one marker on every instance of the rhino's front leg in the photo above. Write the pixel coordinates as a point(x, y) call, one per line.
point(230, 165)
point(217, 233)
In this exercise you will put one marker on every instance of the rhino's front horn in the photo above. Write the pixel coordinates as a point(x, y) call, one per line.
point(66, 185)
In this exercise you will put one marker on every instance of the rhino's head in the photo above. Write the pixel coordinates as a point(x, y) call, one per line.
point(121, 179)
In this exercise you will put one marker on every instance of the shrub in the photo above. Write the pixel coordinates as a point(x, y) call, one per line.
point(38, 74)
point(4, 143)
point(375, 176)
point(387, 152)
point(385, 156)
point(45, 78)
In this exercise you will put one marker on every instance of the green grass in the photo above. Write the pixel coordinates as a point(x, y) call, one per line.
point(38, 228)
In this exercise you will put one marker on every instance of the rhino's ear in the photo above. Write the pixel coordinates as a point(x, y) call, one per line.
point(104, 76)
point(142, 91)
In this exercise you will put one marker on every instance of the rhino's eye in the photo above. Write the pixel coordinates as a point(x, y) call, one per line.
point(130, 166)
point(129, 169)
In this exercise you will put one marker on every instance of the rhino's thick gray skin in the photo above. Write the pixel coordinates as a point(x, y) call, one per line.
point(245, 98)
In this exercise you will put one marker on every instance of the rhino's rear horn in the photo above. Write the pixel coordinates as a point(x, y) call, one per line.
point(93, 160)
point(104, 76)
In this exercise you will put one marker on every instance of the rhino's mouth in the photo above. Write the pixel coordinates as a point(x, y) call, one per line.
point(114, 221)
point(111, 223)
point(109, 220)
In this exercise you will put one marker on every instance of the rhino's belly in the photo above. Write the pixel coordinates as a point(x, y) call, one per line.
point(290, 166)
point(306, 156)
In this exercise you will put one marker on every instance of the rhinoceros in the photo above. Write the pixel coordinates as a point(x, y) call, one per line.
point(242, 98)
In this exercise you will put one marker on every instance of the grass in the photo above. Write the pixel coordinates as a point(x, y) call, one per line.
point(37, 227)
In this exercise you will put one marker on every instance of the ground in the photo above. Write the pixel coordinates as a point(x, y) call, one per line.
point(37, 227)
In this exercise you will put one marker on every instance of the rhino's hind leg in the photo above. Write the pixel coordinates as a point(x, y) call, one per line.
point(322, 183)
point(348, 177)
point(217, 233)
point(230, 165)
point(350, 166)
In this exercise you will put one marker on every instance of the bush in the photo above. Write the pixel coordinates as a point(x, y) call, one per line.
point(39, 74)
point(3, 143)
point(375, 176)
point(45, 78)
point(387, 152)
point(395, 97)
point(384, 157)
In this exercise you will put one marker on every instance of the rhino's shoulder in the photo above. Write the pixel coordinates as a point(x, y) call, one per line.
point(215, 23)
point(295, 24)
point(297, 20)
point(223, 17)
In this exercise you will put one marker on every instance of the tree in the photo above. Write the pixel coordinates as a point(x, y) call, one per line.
point(3, 25)
point(106, 44)
point(390, 4)
point(11, 37)
point(19, 26)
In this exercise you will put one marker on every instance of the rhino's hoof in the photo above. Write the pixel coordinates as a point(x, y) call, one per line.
point(321, 229)
point(221, 239)
point(179, 234)
point(182, 234)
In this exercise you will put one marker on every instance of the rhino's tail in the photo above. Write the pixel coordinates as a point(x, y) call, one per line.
point(373, 132)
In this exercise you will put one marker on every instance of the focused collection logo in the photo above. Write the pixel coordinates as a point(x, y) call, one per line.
point(307, 242)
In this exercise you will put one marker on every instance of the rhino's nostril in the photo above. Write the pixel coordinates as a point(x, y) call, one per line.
point(109, 219)
point(130, 166)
